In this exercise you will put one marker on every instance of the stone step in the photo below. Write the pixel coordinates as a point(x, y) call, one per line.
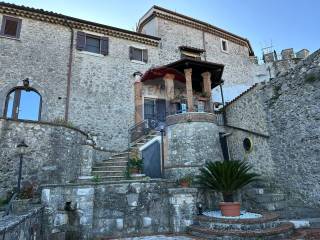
point(283, 231)
point(111, 163)
point(120, 154)
point(269, 197)
point(273, 206)
point(108, 168)
point(268, 220)
point(107, 173)
point(116, 158)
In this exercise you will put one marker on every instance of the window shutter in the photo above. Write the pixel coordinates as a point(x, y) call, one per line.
point(81, 40)
point(145, 55)
point(104, 46)
point(130, 53)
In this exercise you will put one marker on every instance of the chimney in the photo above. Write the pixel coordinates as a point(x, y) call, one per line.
point(302, 53)
point(287, 54)
point(268, 57)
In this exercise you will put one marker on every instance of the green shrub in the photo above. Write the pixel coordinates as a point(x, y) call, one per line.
point(226, 177)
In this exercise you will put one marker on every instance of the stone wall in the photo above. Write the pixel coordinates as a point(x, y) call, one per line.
point(237, 62)
point(293, 117)
point(120, 209)
point(54, 155)
point(192, 140)
point(102, 92)
point(247, 118)
point(282, 119)
point(41, 54)
point(23, 226)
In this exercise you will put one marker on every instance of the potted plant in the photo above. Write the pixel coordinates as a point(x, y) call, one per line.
point(185, 181)
point(227, 177)
point(135, 165)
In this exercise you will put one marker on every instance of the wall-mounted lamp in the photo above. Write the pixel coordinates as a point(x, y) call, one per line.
point(26, 82)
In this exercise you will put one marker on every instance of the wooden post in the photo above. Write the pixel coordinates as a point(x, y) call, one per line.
point(206, 76)
point(188, 76)
point(169, 86)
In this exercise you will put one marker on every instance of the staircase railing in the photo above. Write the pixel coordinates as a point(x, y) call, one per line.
point(138, 130)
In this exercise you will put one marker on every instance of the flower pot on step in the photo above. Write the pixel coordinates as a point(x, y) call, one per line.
point(184, 184)
point(230, 209)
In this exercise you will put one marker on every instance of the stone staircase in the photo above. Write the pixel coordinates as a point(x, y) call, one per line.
point(114, 168)
point(267, 227)
point(265, 199)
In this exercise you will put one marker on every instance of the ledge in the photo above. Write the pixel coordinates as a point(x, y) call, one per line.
point(43, 123)
point(191, 117)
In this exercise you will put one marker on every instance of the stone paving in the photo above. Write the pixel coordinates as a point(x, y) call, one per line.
point(160, 237)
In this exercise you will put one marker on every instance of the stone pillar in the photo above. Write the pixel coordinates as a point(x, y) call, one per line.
point(206, 76)
point(188, 76)
point(182, 208)
point(169, 86)
point(138, 99)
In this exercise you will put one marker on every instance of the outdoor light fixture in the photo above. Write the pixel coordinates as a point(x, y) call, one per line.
point(200, 209)
point(26, 82)
point(22, 148)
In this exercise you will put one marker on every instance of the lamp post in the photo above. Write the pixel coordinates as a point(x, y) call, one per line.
point(162, 131)
point(22, 147)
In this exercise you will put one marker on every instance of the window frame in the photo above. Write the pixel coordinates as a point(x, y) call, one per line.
point(142, 54)
point(226, 44)
point(3, 26)
point(95, 37)
point(16, 103)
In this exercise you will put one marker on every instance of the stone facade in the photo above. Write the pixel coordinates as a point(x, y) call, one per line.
point(41, 54)
point(236, 59)
point(136, 208)
point(102, 95)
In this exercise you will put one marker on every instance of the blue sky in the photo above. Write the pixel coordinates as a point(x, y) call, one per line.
point(285, 23)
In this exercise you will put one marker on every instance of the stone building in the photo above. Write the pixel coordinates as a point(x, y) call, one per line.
point(86, 96)
point(90, 83)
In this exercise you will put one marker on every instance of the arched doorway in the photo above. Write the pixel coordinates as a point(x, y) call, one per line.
point(23, 103)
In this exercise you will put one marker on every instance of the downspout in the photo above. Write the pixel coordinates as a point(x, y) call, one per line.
point(204, 46)
point(69, 74)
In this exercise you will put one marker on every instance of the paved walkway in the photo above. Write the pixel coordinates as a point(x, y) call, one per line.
point(160, 237)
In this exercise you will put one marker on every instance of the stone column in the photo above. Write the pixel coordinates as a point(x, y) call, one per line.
point(138, 99)
point(188, 76)
point(206, 76)
point(169, 86)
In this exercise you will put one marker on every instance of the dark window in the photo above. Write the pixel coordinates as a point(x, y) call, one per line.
point(224, 45)
point(10, 27)
point(92, 44)
point(138, 54)
point(24, 104)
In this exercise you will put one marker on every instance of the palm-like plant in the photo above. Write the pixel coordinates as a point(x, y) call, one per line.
point(227, 177)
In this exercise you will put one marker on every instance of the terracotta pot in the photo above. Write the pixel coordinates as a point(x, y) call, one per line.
point(230, 209)
point(134, 171)
point(184, 184)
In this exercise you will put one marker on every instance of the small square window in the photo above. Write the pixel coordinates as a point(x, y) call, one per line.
point(138, 54)
point(224, 45)
point(92, 44)
point(10, 27)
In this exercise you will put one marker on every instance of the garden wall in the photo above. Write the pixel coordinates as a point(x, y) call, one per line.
point(120, 209)
point(23, 226)
point(55, 154)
